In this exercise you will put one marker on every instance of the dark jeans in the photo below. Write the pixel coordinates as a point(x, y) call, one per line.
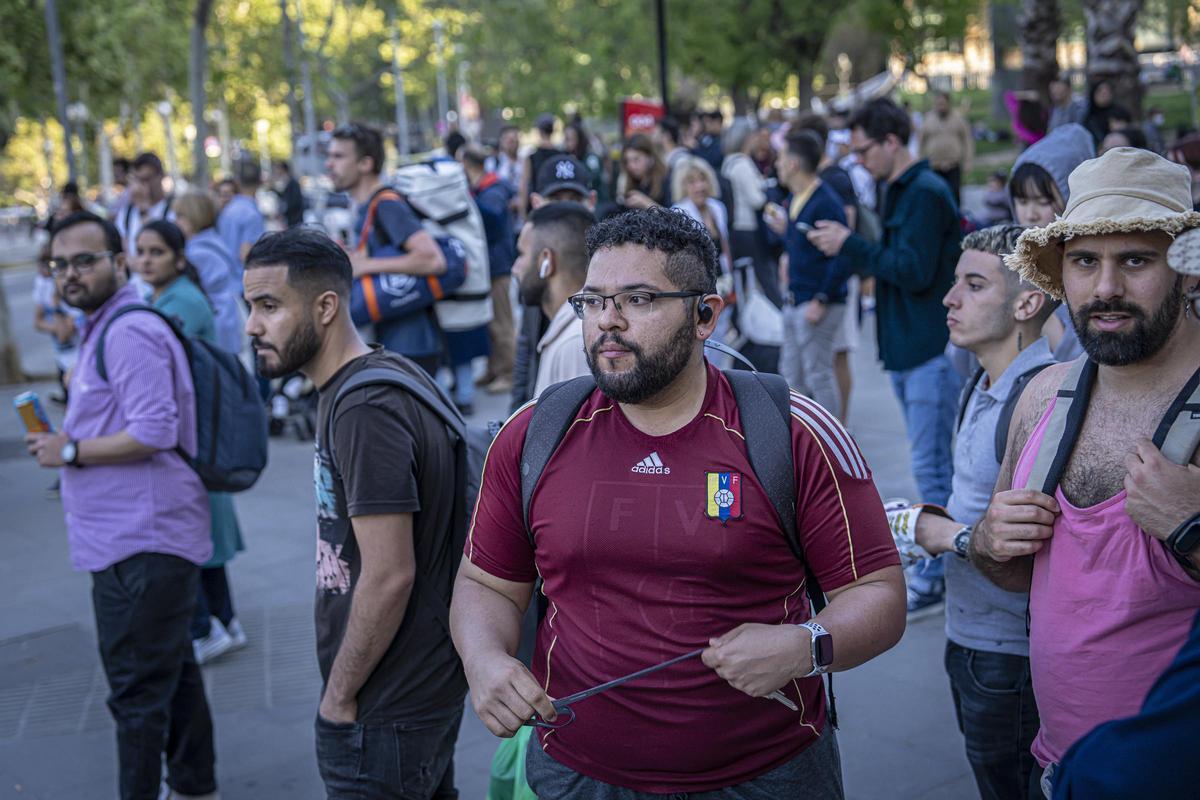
point(212, 600)
point(143, 606)
point(401, 760)
point(993, 700)
point(815, 774)
point(953, 177)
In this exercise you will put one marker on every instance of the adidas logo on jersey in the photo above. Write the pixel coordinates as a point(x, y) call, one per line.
point(651, 465)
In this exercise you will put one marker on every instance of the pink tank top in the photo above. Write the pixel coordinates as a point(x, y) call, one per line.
point(1109, 608)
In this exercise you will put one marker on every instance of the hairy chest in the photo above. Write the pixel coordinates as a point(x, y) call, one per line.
point(1110, 433)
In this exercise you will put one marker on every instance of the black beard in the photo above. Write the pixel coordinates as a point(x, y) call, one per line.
point(650, 374)
point(301, 348)
point(1144, 341)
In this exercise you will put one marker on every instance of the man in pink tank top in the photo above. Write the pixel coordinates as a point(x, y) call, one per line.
point(1110, 603)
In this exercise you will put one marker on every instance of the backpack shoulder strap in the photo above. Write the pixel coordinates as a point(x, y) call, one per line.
point(551, 418)
point(764, 406)
point(1010, 405)
point(381, 194)
point(1066, 420)
point(965, 397)
point(101, 368)
point(1178, 434)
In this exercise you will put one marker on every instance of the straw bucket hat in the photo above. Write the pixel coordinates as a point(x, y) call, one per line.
point(1126, 190)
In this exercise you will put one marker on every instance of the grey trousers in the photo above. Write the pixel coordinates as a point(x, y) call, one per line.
point(815, 774)
point(806, 358)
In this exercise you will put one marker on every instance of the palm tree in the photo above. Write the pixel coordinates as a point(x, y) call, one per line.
point(1040, 23)
point(1111, 54)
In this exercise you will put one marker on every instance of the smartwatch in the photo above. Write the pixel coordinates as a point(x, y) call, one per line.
point(70, 453)
point(821, 648)
point(1185, 539)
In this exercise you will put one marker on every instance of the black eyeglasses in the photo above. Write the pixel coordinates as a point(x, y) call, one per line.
point(866, 148)
point(83, 263)
point(635, 303)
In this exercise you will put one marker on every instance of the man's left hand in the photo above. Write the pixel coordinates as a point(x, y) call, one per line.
point(829, 237)
point(814, 312)
point(758, 659)
point(1161, 495)
point(47, 448)
point(332, 710)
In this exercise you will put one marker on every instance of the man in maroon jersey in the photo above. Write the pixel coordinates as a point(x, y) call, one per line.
point(654, 538)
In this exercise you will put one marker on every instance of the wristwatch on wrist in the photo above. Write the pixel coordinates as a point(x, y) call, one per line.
point(821, 648)
point(1185, 539)
point(70, 453)
point(962, 542)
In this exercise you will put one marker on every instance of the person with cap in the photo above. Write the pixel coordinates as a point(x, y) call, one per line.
point(563, 178)
point(1139, 756)
point(546, 149)
point(1090, 515)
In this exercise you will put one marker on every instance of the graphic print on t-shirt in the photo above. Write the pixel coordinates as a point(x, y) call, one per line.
point(724, 496)
point(333, 573)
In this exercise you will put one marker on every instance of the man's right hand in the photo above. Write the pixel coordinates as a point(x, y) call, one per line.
point(505, 695)
point(1018, 523)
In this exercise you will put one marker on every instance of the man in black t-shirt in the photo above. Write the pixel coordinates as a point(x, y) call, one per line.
point(394, 687)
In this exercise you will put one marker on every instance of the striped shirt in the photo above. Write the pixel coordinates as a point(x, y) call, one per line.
point(155, 505)
point(650, 545)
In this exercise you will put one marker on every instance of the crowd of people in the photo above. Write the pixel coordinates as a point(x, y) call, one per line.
point(651, 505)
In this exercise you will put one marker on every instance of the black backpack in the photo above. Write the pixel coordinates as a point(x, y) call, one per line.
point(764, 406)
point(231, 420)
point(1000, 442)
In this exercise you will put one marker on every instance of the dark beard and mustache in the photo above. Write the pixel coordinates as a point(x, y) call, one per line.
point(300, 348)
point(1149, 334)
point(650, 374)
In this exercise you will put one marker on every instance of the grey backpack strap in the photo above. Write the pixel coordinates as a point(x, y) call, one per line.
point(1066, 420)
point(1178, 435)
point(551, 418)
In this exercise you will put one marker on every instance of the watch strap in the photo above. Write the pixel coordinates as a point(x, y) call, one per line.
point(816, 630)
point(1184, 539)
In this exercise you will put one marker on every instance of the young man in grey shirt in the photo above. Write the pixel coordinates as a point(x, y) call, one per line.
point(996, 316)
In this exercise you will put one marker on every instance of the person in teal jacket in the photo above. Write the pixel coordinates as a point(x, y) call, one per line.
point(175, 291)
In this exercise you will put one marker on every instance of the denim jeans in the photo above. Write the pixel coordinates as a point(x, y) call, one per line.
point(815, 774)
point(928, 395)
point(388, 760)
point(143, 607)
point(998, 717)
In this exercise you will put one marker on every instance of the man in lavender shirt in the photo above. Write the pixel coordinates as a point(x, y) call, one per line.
point(137, 516)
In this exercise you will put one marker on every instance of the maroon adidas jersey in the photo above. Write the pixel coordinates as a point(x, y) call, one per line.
point(651, 545)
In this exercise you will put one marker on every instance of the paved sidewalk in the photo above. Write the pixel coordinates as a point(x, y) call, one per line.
point(898, 737)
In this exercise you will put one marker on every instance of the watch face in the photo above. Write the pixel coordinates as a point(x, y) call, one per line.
point(1189, 540)
point(68, 452)
point(823, 650)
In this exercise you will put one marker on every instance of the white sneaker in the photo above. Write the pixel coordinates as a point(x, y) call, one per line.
point(217, 642)
point(165, 792)
point(236, 633)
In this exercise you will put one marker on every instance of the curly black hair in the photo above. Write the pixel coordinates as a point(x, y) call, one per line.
point(692, 261)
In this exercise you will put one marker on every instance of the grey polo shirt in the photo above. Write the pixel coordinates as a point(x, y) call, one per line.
point(979, 614)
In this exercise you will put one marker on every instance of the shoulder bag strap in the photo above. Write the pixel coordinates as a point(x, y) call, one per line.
point(1178, 434)
point(1066, 420)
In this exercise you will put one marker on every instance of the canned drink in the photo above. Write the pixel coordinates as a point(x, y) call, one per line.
point(29, 408)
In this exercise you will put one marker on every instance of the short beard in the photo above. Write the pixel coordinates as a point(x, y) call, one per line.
point(650, 374)
point(301, 348)
point(1143, 342)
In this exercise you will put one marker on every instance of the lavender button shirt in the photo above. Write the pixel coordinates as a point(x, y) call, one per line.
point(158, 504)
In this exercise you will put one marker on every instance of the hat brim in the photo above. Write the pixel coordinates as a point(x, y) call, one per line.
point(564, 186)
point(1036, 258)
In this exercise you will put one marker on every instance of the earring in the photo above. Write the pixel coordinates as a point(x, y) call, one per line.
point(1020, 345)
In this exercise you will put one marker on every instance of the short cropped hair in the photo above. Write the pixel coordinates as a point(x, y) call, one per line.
point(148, 160)
point(881, 117)
point(691, 264)
point(368, 143)
point(563, 228)
point(812, 121)
point(474, 155)
point(112, 236)
point(670, 127)
point(1000, 241)
point(315, 263)
point(806, 146)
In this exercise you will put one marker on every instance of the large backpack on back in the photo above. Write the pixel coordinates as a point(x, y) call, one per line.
point(440, 196)
point(231, 420)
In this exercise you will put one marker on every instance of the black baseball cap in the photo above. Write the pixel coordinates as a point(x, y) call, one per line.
point(562, 173)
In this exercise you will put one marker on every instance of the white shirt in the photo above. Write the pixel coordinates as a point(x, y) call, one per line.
point(129, 222)
point(749, 197)
point(561, 351)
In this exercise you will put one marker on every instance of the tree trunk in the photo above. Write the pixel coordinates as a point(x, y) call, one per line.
point(1040, 24)
point(197, 74)
point(743, 105)
point(1111, 55)
point(289, 68)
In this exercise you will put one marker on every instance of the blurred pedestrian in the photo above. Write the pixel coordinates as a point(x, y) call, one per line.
point(219, 270)
point(240, 223)
point(1066, 107)
point(643, 179)
point(666, 139)
point(55, 318)
point(1102, 107)
point(291, 196)
point(708, 144)
point(545, 150)
point(945, 140)
point(148, 200)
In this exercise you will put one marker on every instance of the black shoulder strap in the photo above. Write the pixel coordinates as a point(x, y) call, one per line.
point(101, 369)
point(435, 400)
point(1066, 420)
point(1010, 405)
point(965, 397)
point(551, 418)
